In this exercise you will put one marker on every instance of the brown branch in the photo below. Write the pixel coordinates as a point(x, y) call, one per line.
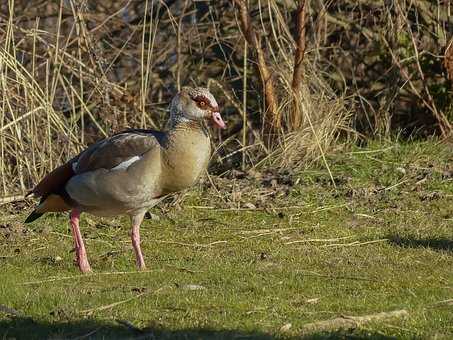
point(296, 119)
point(300, 43)
point(272, 118)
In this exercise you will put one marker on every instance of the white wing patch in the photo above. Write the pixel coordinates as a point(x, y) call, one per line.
point(74, 167)
point(126, 164)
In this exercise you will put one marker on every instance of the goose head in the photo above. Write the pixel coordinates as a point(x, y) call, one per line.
point(196, 104)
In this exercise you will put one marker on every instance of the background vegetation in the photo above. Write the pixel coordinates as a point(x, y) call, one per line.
point(291, 77)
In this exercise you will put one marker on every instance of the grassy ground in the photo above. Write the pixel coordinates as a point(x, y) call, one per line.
point(298, 250)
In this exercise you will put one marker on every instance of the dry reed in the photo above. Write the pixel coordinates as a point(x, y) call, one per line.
point(72, 72)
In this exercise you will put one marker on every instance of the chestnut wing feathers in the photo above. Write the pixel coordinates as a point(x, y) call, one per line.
point(54, 181)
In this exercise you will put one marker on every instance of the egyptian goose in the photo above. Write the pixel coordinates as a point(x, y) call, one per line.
point(127, 173)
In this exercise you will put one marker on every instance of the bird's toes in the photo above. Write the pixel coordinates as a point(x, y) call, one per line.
point(141, 266)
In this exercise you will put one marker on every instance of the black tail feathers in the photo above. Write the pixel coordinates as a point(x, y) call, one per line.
point(33, 216)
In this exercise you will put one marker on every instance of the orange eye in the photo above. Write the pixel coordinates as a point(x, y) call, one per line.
point(202, 103)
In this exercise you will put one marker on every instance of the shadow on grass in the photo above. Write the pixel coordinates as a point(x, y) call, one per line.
point(26, 328)
point(432, 243)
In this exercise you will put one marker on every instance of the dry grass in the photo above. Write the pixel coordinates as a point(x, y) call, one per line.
point(71, 74)
point(324, 116)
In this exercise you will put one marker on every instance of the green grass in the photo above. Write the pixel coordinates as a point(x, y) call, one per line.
point(254, 278)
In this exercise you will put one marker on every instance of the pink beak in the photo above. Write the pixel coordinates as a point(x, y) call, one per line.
point(218, 121)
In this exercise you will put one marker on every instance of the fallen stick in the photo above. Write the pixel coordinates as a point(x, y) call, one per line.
point(351, 322)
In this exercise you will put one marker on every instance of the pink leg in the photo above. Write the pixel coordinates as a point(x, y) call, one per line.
point(81, 254)
point(135, 237)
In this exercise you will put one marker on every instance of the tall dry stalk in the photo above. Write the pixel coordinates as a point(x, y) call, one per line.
point(272, 116)
point(301, 14)
point(72, 74)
